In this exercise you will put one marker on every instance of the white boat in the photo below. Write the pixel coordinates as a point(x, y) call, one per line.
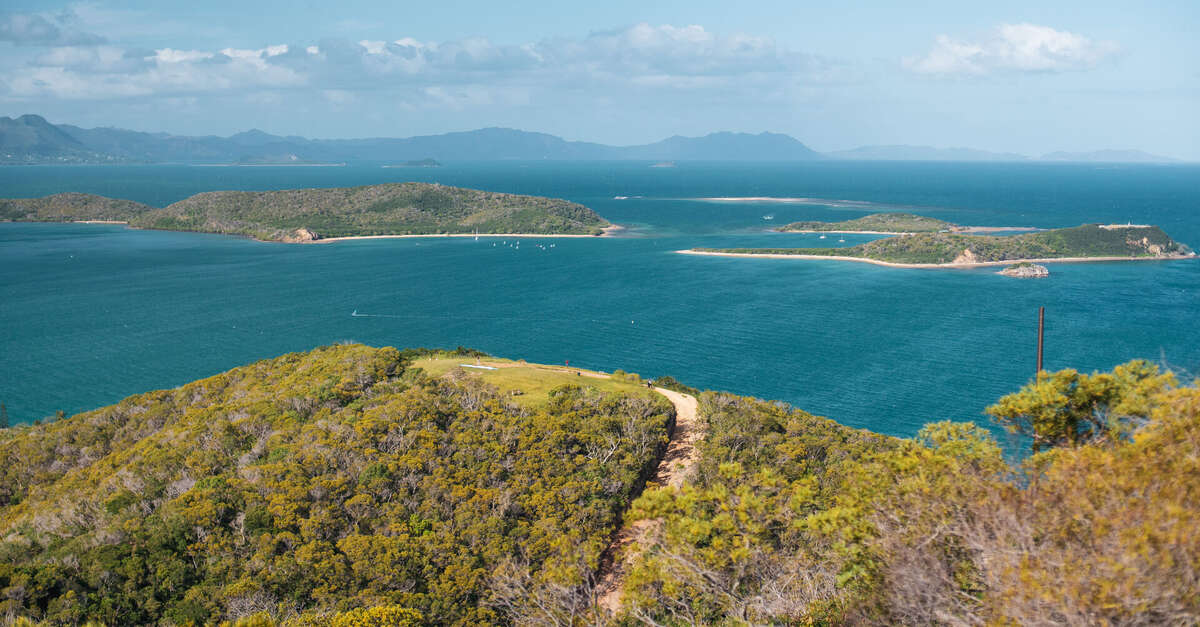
point(822, 237)
point(768, 217)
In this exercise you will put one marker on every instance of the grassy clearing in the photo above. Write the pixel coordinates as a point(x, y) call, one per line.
point(530, 384)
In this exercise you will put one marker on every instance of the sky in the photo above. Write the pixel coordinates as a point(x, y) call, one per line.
point(1016, 76)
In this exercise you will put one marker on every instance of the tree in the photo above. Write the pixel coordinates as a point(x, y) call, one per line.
point(1067, 408)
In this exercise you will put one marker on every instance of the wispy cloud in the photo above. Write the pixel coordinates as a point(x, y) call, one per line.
point(1012, 48)
point(43, 29)
point(467, 72)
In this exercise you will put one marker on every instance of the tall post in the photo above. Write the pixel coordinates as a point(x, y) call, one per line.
point(1041, 335)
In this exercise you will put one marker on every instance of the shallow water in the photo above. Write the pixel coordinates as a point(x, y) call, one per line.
point(92, 313)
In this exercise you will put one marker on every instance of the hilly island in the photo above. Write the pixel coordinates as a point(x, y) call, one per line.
point(352, 485)
point(309, 215)
point(926, 242)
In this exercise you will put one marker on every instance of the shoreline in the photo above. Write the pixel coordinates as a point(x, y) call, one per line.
point(608, 232)
point(954, 231)
point(892, 264)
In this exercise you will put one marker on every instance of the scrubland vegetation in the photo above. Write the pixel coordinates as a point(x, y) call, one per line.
point(348, 486)
point(796, 520)
point(314, 484)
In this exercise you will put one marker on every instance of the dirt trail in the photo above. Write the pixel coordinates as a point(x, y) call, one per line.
point(674, 467)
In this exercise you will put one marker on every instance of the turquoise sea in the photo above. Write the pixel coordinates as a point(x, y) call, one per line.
point(92, 313)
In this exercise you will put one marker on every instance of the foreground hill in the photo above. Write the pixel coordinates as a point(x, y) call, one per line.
point(360, 486)
point(322, 481)
point(1089, 241)
point(299, 215)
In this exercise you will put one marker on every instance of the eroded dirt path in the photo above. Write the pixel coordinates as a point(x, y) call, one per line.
point(673, 469)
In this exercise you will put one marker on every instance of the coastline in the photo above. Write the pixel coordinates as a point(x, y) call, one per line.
point(961, 229)
point(891, 264)
point(99, 222)
point(608, 232)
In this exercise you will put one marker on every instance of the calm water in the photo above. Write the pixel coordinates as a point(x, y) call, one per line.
point(90, 313)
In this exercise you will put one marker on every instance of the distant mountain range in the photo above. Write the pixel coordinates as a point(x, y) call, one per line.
point(30, 139)
point(922, 153)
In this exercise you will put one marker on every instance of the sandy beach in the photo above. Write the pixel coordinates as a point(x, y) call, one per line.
point(99, 222)
point(978, 264)
point(608, 232)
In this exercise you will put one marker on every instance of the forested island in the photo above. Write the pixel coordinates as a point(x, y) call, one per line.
point(307, 215)
point(889, 223)
point(417, 163)
point(351, 485)
point(1082, 243)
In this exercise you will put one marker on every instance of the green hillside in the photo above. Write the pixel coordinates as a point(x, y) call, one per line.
point(312, 214)
point(892, 222)
point(355, 486)
point(70, 207)
point(319, 482)
point(1089, 240)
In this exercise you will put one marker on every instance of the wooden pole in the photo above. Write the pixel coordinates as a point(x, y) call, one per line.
point(1041, 335)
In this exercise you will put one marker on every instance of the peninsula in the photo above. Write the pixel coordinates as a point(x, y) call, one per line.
point(1088, 242)
point(312, 215)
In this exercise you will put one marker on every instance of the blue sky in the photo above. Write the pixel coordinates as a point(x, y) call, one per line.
point(1028, 77)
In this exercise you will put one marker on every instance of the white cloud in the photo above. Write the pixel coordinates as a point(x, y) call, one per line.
point(170, 55)
point(1015, 48)
point(463, 73)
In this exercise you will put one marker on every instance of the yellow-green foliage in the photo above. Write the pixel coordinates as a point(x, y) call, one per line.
point(530, 384)
point(816, 522)
point(317, 482)
point(1067, 408)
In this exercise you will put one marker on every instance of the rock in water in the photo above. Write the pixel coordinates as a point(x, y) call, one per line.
point(1026, 271)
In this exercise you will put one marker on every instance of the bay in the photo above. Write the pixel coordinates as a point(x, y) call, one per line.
point(92, 313)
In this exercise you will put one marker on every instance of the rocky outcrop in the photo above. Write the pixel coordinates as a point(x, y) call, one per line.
point(301, 235)
point(966, 256)
point(1026, 271)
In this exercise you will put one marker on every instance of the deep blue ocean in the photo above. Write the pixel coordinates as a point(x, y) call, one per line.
point(90, 314)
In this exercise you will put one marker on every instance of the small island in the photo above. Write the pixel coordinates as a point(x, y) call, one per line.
point(323, 215)
point(1088, 242)
point(417, 163)
point(892, 223)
